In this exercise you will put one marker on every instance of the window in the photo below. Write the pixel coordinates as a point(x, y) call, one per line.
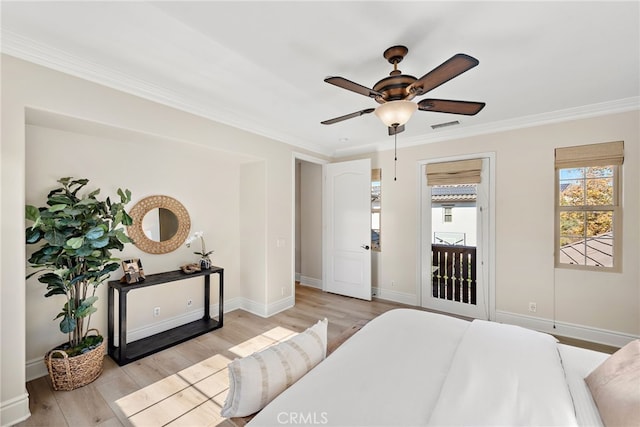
point(447, 214)
point(588, 212)
point(376, 203)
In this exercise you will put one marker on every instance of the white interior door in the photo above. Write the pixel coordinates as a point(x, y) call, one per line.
point(347, 233)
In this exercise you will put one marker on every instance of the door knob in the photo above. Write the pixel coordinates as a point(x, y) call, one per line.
point(366, 247)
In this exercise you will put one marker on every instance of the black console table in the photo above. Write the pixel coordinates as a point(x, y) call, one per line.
point(128, 352)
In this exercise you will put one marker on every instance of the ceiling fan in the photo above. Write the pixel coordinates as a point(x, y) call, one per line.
point(394, 93)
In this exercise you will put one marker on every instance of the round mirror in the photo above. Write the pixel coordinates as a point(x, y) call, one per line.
point(160, 224)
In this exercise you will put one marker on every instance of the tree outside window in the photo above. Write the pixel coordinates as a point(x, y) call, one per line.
point(587, 212)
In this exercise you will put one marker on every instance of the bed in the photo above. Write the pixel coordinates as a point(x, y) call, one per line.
point(413, 368)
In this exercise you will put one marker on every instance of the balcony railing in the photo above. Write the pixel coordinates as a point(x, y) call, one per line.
point(454, 273)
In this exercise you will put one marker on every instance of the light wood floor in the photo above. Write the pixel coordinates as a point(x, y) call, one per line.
point(95, 404)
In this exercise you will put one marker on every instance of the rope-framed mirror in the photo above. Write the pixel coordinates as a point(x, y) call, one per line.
point(160, 224)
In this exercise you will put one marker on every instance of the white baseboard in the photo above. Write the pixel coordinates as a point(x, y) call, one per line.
point(14, 410)
point(263, 310)
point(280, 305)
point(35, 368)
point(164, 325)
point(311, 282)
point(253, 307)
point(586, 333)
point(400, 297)
point(231, 305)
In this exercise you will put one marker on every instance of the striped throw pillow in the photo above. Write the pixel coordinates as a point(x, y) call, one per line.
point(256, 380)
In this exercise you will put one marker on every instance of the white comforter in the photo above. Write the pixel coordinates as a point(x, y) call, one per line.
point(414, 368)
point(504, 375)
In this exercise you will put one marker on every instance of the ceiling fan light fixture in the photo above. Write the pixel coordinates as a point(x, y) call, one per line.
point(396, 113)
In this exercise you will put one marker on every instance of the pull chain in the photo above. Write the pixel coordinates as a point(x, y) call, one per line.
point(395, 155)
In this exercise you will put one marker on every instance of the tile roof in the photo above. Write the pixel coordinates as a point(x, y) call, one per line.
point(454, 193)
point(598, 251)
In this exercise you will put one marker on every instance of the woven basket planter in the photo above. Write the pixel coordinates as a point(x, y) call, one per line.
point(68, 373)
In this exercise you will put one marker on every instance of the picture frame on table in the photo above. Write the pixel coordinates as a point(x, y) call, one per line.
point(133, 271)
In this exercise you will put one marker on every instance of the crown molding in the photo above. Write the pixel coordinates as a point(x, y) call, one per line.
point(559, 116)
point(56, 59)
point(21, 47)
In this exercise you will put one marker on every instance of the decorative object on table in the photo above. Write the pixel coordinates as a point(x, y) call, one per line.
point(205, 261)
point(191, 268)
point(133, 271)
point(78, 234)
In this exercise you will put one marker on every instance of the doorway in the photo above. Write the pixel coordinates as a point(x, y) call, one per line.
point(457, 236)
point(308, 221)
point(329, 251)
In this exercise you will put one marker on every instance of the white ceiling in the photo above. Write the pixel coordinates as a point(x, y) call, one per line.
point(260, 65)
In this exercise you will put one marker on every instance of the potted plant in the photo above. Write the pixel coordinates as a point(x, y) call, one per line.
point(205, 261)
point(77, 235)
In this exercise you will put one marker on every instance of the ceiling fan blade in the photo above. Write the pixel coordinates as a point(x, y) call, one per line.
point(449, 69)
point(467, 108)
point(352, 86)
point(348, 116)
point(395, 130)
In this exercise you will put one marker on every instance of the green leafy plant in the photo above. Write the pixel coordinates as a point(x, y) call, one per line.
point(79, 233)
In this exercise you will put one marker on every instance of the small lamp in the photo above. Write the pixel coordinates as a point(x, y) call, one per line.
point(396, 113)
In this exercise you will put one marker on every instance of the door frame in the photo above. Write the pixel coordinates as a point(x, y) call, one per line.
point(425, 227)
point(311, 159)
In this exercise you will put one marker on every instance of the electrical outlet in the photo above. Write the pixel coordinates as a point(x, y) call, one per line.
point(532, 307)
point(156, 311)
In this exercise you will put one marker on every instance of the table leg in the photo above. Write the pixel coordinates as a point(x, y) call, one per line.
point(221, 298)
point(111, 344)
point(122, 325)
point(207, 296)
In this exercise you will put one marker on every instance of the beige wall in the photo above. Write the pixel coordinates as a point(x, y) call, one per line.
point(253, 231)
point(203, 180)
point(311, 221)
point(525, 224)
point(189, 161)
point(260, 173)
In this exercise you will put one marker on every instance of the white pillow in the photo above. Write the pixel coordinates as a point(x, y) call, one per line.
point(256, 380)
point(615, 387)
